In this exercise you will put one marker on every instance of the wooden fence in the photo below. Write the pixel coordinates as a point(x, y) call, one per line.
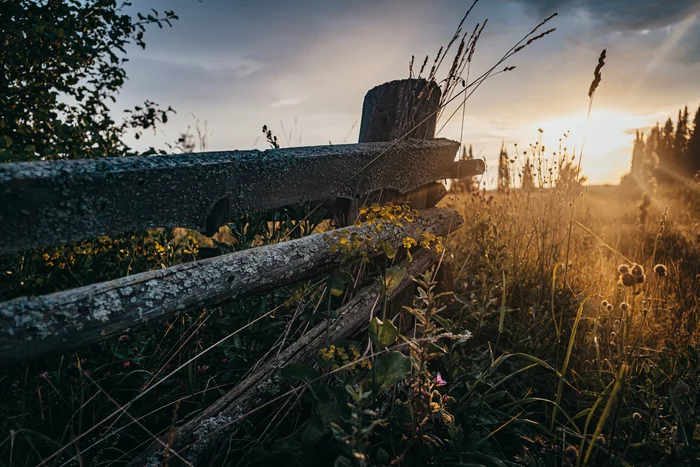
point(50, 203)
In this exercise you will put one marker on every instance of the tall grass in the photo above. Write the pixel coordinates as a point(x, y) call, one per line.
point(543, 339)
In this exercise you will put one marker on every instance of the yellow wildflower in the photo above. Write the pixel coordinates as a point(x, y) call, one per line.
point(409, 242)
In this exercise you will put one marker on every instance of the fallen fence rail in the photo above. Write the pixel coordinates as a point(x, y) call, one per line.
point(226, 415)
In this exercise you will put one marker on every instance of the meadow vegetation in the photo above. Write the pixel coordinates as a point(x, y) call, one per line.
point(570, 337)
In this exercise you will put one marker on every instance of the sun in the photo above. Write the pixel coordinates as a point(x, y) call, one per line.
point(606, 138)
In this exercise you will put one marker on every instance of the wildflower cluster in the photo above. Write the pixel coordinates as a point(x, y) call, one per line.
point(354, 244)
point(339, 356)
point(379, 218)
point(390, 213)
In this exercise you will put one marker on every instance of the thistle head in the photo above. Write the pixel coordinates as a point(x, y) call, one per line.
point(629, 279)
point(660, 270)
point(570, 456)
point(637, 270)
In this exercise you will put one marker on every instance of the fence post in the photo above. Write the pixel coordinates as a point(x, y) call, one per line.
point(399, 109)
point(402, 108)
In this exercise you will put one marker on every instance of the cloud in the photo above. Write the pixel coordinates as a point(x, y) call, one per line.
point(288, 102)
point(621, 15)
point(307, 65)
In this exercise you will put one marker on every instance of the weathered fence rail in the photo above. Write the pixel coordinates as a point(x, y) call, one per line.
point(198, 437)
point(46, 203)
point(35, 327)
point(49, 203)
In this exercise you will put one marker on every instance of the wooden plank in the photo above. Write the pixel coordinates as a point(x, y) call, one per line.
point(464, 169)
point(36, 327)
point(197, 439)
point(47, 203)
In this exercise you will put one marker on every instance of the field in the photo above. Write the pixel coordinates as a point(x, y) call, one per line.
point(536, 359)
point(556, 325)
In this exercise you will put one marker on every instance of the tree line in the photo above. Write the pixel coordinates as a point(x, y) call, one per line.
point(668, 154)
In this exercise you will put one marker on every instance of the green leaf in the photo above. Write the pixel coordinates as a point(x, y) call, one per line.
point(389, 250)
point(336, 283)
point(394, 276)
point(389, 369)
point(8, 141)
point(382, 333)
point(299, 371)
point(678, 405)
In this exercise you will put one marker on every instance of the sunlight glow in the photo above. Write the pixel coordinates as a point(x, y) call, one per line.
point(608, 140)
point(606, 131)
point(678, 32)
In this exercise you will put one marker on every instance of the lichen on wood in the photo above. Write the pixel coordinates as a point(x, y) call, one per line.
point(53, 202)
point(221, 419)
point(34, 327)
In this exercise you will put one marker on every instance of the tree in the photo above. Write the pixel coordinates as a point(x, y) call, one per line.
point(643, 166)
point(680, 144)
point(652, 142)
point(62, 62)
point(668, 163)
point(638, 154)
point(528, 178)
point(693, 151)
point(503, 170)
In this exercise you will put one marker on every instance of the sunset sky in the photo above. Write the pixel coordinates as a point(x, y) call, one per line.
point(306, 66)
